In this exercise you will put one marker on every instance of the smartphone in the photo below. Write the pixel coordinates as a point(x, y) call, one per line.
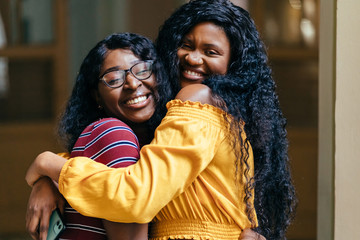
point(56, 225)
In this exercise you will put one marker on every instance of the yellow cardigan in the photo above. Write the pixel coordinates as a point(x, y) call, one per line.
point(184, 181)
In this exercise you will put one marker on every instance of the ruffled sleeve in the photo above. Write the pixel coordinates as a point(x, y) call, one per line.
point(183, 146)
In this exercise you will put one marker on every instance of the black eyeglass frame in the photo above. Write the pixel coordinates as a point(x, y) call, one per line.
point(101, 78)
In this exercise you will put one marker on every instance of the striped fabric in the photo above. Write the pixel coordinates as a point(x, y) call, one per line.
point(113, 143)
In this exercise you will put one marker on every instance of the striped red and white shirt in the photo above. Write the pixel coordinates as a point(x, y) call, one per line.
point(108, 141)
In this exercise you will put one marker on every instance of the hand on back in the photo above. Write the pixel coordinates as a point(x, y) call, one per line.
point(44, 198)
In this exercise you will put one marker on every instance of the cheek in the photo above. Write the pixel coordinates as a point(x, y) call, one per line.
point(219, 67)
point(150, 83)
point(180, 53)
point(110, 98)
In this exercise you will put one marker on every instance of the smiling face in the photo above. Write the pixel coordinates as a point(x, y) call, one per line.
point(134, 100)
point(204, 51)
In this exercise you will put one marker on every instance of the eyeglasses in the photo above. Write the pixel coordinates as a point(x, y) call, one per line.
point(116, 78)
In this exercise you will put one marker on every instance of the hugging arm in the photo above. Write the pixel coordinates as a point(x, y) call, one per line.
point(125, 231)
point(249, 234)
point(142, 185)
point(137, 193)
point(44, 198)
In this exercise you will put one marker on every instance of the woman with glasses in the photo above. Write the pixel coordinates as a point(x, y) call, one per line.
point(114, 100)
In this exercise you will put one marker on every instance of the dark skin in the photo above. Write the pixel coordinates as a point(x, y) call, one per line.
point(200, 56)
point(39, 211)
point(51, 164)
point(45, 197)
point(248, 234)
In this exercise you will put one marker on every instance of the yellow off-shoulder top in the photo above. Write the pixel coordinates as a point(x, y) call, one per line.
point(184, 182)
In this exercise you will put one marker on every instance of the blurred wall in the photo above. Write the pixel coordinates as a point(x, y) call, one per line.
point(347, 120)
point(103, 17)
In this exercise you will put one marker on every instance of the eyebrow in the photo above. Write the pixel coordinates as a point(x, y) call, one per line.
point(185, 38)
point(212, 45)
point(109, 70)
point(215, 47)
point(208, 45)
point(118, 67)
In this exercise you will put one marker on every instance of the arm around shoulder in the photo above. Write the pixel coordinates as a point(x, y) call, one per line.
point(196, 93)
point(46, 164)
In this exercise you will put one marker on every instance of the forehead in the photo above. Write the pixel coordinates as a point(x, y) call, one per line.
point(123, 58)
point(207, 31)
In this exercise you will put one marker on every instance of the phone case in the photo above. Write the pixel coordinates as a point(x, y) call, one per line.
point(56, 225)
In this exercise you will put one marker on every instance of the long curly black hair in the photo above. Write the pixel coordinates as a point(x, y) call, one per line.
point(248, 92)
point(82, 109)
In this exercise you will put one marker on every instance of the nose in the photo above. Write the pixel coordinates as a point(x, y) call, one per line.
point(131, 82)
point(194, 58)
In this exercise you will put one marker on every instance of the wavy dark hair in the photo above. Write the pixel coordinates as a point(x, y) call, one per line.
point(248, 92)
point(82, 109)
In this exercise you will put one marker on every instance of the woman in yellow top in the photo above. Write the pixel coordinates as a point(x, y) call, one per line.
point(196, 179)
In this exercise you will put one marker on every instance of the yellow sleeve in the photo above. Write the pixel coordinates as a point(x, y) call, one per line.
point(184, 145)
point(64, 155)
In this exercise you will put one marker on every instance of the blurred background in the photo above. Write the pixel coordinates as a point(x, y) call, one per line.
point(43, 42)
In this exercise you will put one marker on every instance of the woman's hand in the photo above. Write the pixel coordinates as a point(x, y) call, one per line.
point(249, 234)
point(44, 198)
point(45, 164)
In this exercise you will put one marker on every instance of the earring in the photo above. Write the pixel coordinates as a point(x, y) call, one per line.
point(100, 107)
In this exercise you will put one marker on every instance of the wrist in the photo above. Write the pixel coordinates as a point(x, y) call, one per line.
point(40, 163)
point(50, 164)
point(40, 180)
point(36, 170)
point(45, 164)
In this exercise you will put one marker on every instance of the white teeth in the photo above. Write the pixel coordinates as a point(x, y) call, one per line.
point(136, 100)
point(192, 73)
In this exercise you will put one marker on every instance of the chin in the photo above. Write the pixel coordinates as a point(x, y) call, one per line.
point(187, 83)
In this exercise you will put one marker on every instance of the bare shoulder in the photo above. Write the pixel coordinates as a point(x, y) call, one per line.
point(196, 93)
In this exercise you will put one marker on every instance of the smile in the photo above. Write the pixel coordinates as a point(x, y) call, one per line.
point(192, 73)
point(136, 100)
